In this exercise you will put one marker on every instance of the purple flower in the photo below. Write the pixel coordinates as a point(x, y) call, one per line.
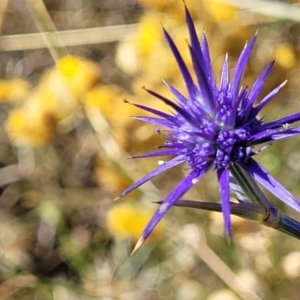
point(214, 127)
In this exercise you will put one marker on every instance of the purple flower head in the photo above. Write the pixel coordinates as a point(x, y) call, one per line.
point(214, 127)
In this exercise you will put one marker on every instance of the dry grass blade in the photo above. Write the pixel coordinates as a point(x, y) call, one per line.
point(196, 239)
point(279, 10)
point(47, 29)
point(67, 38)
point(3, 5)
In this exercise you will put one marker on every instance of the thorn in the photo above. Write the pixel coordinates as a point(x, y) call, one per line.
point(117, 198)
point(229, 240)
point(157, 202)
point(139, 243)
point(125, 100)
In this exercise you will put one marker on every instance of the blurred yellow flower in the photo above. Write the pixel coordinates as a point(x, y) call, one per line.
point(220, 12)
point(157, 4)
point(77, 74)
point(34, 123)
point(30, 129)
point(149, 35)
point(55, 98)
point(285, 55)
point(149, 54)
point(109, 100)
point(14, 90)
point(109, 175)
point(106, 98)
point(127, 220)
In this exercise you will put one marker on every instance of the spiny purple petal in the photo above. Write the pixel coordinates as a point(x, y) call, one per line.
point(177, 108)
point(240, 67)
point(266, 100)
point(202, 67)
point(243, 100)
point(169, 144)
point(193, 34)
point(155, 112)
point(271, 184)
point(272, 135)
point(257, 87)
point(160, 153)
point(224, 81)
point(155, 121)
point(185, 185)
point(223, 177)
point(201, 52)
point(207, 59)
point(208, 102)
point(196, 109)
point(282, 122)
point(167, 165)
point(182, 99)
point(182, 66)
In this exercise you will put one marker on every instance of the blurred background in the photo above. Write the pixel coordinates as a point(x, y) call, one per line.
point(66, 136)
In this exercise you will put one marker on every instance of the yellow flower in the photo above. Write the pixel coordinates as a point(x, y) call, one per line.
point(34, 123)
point(109, 100)
point(14, 90)
point(285, 55)
point(221, 12)
point(30, 129)
point(126, 220)
point(157, 4)
point(108, 174)
point(77, 74)
point(55, 98)
point(106, 98)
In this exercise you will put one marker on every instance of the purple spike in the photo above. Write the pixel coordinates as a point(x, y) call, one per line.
point(224, 81)
point(184, 113)
point(243, 100)
point(208, 101)
point(179, 97)
point(173, 145)
point(257, 87)
point(271, 184)
point(224, 188)
point(182, 66)
point(159, 113)
point(266, 100)
point(240, 67)
point(207, 59)
point(272, 135)
point(155, 121)
point(166, 166)
point(202, 67)
point(201, 52)
point(282, 122)
point(193, 36)
point(185, 185)
point(159, 153)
